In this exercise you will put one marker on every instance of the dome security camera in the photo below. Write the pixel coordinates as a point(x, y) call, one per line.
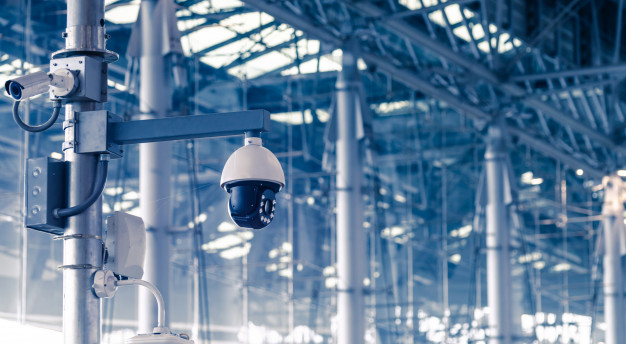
point(252, 176)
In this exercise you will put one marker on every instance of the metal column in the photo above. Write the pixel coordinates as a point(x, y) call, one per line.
point(613, 211)
point(154, 165)
point(498, 257)
point(82, 244)
point(350, 235)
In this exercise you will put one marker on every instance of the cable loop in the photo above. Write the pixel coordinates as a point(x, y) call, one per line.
point(56, 109)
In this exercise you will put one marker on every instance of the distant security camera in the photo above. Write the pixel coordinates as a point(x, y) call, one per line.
point(28, 85)
point(252, 176)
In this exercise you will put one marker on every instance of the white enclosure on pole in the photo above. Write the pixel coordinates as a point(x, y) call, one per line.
point(613, 211)
point(82, 239)
point(498, 257)
point(154, 163)
point(351, 256)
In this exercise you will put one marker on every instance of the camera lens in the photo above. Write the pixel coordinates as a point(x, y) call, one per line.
point(16, 90)
point(268, 207)
point(252, 205)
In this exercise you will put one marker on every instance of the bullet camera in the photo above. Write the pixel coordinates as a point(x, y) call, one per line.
point(252, 176)
point(63, 82)
point(28, 85)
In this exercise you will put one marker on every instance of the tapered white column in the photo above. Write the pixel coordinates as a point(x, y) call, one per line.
point(351, 256)
point(498, 257)
point(154, 165)
point(613, 211)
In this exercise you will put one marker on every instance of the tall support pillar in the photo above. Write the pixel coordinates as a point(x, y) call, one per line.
point(154, 164)
point(613, 211)
point(82, 244)
point(498, 257)
point(350, 235)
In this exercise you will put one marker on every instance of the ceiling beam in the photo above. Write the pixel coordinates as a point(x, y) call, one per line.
point(612, 70)
point(411, 79)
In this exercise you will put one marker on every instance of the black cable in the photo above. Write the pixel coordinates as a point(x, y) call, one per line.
point(98, 187)
point(38, 128)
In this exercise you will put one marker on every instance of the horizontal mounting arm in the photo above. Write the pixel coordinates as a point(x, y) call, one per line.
point(189, 127)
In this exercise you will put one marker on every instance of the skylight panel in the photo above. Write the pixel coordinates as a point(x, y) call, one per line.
point(206, 37)
point(246, 22)
point(183, 13)
point(261, 65)
point(220, 5)
point(505, 45)
point(293, 118)
point(455, 16)
point(305, 47)
point(124, 14)
point(308, 46)
point(327, 64)
point(411, 4)
point(200, 8)
point(184, 25)
point(228, 53)
point(212, 6)
point(453, 12)
point(273, 37)
point(463, 33)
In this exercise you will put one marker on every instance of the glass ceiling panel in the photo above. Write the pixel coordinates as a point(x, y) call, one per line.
point(206, 37)
point(261, 65)
point(246, 22)
point(213, 6)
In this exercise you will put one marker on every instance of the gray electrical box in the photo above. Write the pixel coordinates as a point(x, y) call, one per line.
point(46, 190)
point(86, 68)
point(93, 133)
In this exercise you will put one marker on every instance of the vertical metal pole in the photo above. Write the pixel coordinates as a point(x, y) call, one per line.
point(244, 297)
point(613, 211)
point(82, 246)
point(350, 234)
point(498, 258)
point(195, 328)
point(23, 263)
point(154, 165)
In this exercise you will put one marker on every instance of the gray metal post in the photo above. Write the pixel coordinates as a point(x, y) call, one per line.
point(82, 246)
point(154, 165)
point(350, 235)
point(613, 211)
point(498, 258)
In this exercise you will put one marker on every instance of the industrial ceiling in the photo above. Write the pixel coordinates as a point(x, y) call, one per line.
point(435, 74)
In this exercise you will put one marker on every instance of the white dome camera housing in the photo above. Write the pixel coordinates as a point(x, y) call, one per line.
point(252, 176)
